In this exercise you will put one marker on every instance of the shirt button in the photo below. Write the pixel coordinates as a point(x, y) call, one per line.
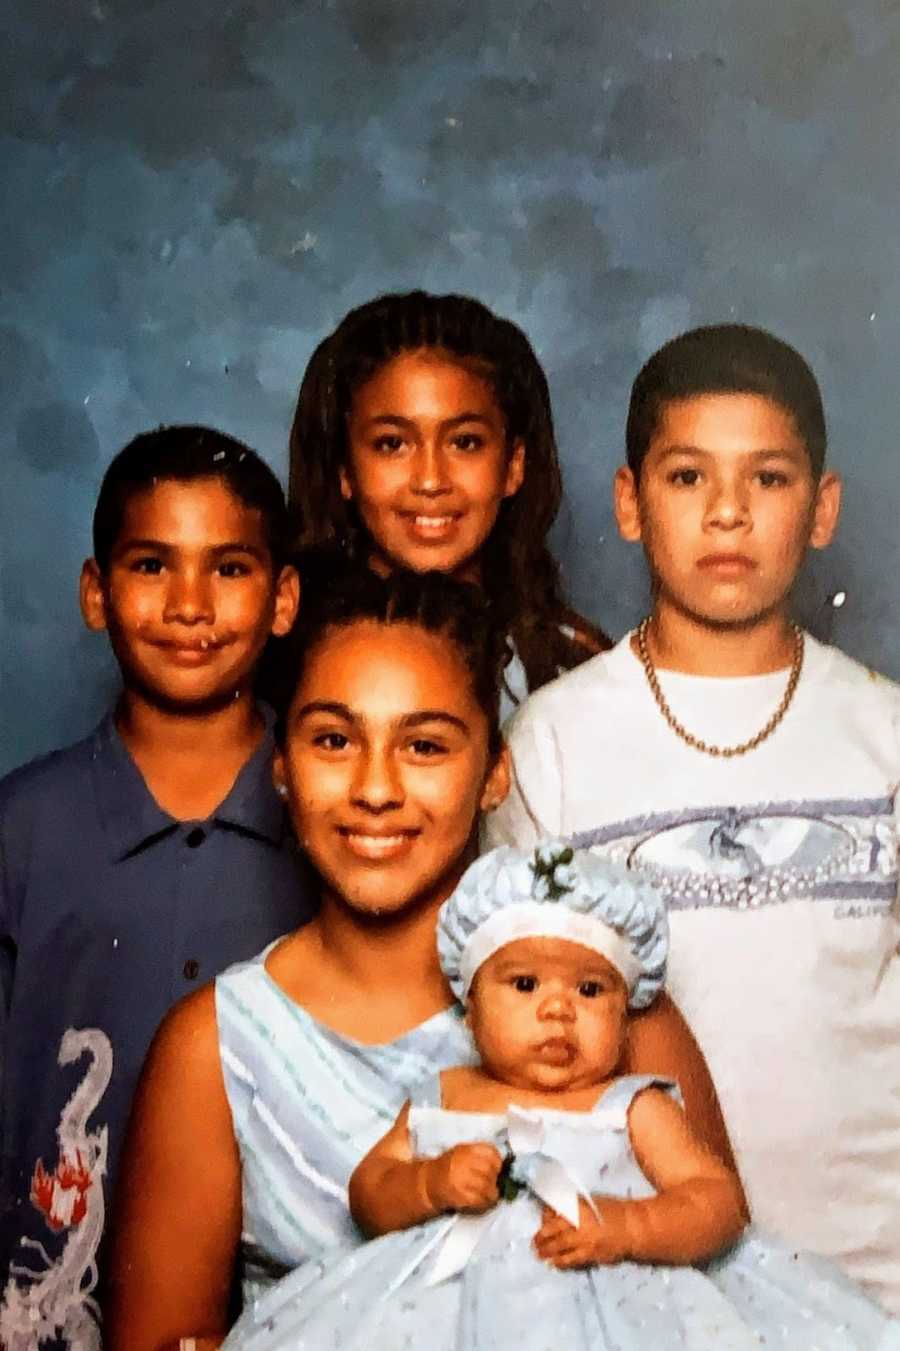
point(195, 837)
point(191, 969)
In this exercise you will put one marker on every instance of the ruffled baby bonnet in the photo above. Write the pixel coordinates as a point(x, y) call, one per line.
point(554, 891)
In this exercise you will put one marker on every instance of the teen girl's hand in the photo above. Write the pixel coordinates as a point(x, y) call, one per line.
point(465, 1178)
point(599, 1240)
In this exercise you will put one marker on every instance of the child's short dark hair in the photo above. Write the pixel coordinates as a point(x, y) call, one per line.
point(726, 359)
point(183, 454)
point(336, 595)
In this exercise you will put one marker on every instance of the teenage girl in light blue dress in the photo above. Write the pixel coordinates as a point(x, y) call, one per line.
point(263, 1093)
point(622, 1230)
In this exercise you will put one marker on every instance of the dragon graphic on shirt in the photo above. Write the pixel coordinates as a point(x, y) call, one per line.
point(56, 1301)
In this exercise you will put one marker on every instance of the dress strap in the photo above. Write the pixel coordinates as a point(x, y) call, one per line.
point(427, 1093)
point(622, 1092)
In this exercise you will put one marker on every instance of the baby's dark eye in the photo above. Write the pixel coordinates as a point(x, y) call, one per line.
point(525, 984)
point(590, 989)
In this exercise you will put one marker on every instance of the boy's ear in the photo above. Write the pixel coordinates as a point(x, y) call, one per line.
point(515, 470)
point(346, 485)
point(287, 600)
point(92, 596)
point(626, 504)
point(826, 510)
point(496, 785)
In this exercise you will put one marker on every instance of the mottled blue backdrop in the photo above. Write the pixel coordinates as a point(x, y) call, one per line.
point(197, 192)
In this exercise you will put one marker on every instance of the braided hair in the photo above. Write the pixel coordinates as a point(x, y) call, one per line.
point(336, 596)
point(519, 574)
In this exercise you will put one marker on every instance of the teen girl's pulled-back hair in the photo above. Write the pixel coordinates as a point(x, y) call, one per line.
point(726, 359)
point(336, 596)
point(183, 454)
point(518, 571)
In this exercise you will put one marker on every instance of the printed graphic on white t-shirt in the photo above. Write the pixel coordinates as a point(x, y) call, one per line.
point(842, 851)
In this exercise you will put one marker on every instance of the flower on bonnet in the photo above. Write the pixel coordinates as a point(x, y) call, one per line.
point(554, 891)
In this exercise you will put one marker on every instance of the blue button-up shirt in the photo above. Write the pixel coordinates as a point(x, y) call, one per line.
point(110, 910)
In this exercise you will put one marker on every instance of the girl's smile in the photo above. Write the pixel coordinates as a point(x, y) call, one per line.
point(375, 846)
point(424, 528)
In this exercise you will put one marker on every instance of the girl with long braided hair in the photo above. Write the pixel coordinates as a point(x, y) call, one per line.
point(423, 438)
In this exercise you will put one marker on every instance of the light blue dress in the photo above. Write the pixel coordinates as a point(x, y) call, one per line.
point(378, 1297)
point(307, 1104)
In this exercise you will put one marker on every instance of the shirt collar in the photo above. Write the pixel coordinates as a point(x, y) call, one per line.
point(133, 820)
point(253, 803)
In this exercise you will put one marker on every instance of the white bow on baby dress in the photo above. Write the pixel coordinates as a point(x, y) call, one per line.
point(549, 1180)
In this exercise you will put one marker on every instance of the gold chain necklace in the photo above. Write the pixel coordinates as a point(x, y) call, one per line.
point(726, 752)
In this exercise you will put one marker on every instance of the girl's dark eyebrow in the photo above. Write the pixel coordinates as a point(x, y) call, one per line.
point(434, 715)
point(411, 720)
point(468, 417)
point(238, 547)
point(325, 706)
point(395, 420)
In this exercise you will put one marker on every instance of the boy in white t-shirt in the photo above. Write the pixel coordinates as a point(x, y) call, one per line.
point(752, 773)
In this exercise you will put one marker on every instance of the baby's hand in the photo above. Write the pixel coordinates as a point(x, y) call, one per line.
point(596, 1242)
point(465, 1178)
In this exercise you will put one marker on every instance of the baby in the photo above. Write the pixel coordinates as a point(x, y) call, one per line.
point(612, 1199)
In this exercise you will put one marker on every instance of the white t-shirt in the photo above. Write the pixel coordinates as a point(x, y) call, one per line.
point(780, 871)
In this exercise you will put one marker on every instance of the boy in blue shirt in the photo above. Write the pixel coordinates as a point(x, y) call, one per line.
point(142, 860)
